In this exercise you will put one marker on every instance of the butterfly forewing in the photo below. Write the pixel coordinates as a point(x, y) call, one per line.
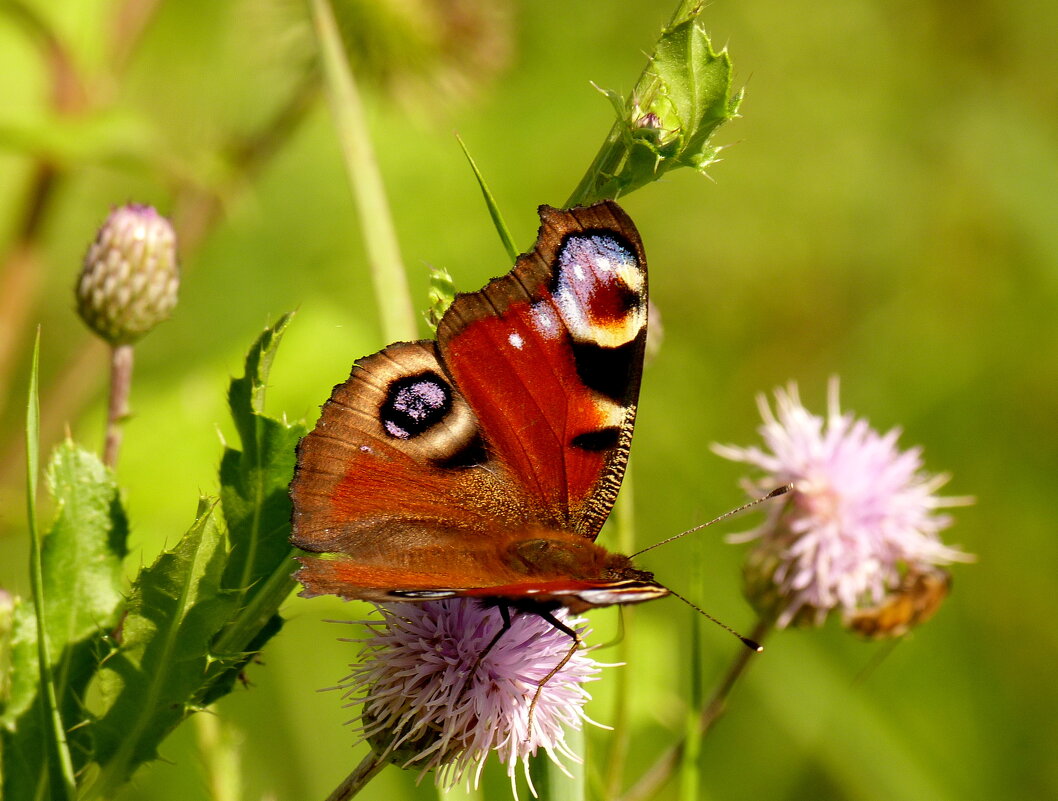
point(550, 358)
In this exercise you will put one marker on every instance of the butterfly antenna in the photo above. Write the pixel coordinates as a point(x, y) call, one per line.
point(753, 645)
point(773, 494)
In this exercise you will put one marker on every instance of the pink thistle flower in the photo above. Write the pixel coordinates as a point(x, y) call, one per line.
point(860, 529)
point(431, 701)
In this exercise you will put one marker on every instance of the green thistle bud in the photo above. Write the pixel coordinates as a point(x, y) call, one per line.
point(130, 277)
point(442, 293)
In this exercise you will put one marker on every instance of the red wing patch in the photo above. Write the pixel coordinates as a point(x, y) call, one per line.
point(550, 358)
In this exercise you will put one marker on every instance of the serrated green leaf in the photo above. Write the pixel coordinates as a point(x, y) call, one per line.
point(85, 549)
point(256, 507)
point(177, 607)
point(81, 559)
point(208, 605)
point(695, 83)
point(82, 585)
point(666, 122)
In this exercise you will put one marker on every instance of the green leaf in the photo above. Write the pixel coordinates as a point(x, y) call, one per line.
point(207, 606)
point(84, 551)
point(490, 203)
point(682, 97)
point(256, 505)
point(176, 609)
point(82, 583)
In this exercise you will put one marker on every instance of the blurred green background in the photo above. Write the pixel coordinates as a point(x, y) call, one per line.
point(885, 213)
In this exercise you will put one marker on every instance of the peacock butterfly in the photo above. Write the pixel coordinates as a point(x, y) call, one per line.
point(482, 464)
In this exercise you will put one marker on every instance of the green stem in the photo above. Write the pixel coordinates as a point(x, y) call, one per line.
point(551, 782)
point(690, 777)
point(667, 763)
point(387, 270)
point(621, 740)
point(59, 752)
point(361, 775)
point(624, 163)
point(220, 756)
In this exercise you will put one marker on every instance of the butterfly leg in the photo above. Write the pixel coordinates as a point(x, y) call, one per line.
point(505, 616)
point(572, 634)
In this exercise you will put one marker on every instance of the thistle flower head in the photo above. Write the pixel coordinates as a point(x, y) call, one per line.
point(433, 699)
point(860, 529)
point(130, 277)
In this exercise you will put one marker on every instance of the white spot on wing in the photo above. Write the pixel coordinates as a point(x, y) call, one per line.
point(516, 340)
point(544, 320)
point(603, 265)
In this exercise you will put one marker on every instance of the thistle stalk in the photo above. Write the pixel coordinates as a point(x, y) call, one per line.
point(121, 358)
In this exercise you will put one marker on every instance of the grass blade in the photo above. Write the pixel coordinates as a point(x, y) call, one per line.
point(60, 774)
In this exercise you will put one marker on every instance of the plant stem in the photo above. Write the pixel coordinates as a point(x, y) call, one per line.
point(60, 763)
point(621, 740)
point(361, 775)
point(392, 295)
point(690, 774)
point(219, 753)
point(118, 408)
point(665, 766)
point(554, 784)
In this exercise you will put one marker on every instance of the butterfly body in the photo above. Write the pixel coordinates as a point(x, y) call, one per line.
point(483, 463)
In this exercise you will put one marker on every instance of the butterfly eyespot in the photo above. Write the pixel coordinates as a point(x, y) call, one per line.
point(415, 404)
point(599, 289)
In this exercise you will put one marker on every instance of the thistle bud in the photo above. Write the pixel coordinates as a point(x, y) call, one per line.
point(130, 277)
point(442, 293)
